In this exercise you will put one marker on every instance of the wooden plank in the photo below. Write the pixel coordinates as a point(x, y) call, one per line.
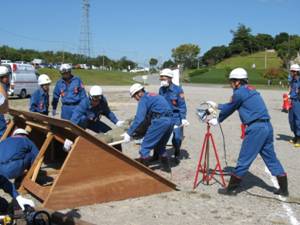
point(38, 126)
point(36, 189)
point(91, 175)
point(8, 130)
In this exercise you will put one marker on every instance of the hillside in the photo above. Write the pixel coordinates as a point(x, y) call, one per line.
point(259, 59)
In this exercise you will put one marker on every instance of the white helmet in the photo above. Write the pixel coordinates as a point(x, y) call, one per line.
point(3, 71)
point(95, 91)
point(167, 73)
point(295, 67)
point(44, 79)
point(65, 68)
point(135, 88)
point(19, 131)
point(238, 73)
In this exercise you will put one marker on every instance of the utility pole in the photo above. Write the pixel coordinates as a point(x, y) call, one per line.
point(265, 58)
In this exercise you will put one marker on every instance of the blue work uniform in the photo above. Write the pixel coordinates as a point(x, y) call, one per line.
point(161, 127)
point(259, 132)
point(2, 118)
point(39, 102)
point(175, 97)
point(87, 116)
point(71, 93)
point(294, 111)
point(17, 154)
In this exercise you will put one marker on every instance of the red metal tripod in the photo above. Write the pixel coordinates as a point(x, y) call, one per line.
point(203, 167)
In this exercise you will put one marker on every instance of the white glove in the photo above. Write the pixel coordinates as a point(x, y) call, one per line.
point(212, 104)
point(67, 145)
point(213, 122)
point(289, 96)
point(184, 122)
point(53, 112)
point(120, 123)
point(126, 137)
point(24, 201)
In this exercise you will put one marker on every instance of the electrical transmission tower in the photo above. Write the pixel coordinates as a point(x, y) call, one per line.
point(85, 39)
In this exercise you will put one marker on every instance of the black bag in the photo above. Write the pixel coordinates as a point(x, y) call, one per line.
point(141, 130)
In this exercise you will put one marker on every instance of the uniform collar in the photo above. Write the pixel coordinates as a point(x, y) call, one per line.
point(42, 92)
point(72, 78)
point(170, 87)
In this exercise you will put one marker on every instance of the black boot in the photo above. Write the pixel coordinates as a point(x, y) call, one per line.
point(283, 186)
point(293, 140)
point(144, 161)
point(155, 156)
point(231, 189)
point(165, 164)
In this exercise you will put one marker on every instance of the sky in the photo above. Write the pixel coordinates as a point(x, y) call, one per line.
point(141, 29)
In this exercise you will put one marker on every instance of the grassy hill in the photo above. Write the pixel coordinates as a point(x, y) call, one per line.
point(218, 74)
point(91, 77)
point(259, 59)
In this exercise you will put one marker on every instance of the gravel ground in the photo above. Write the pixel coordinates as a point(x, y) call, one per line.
point(205, 205)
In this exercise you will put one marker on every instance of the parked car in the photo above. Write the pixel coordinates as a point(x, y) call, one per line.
point(23, 79)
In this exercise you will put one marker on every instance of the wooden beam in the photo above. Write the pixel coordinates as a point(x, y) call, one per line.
point(8, 130)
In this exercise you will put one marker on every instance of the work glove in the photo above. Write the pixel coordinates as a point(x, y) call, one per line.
point(212, 104)
point(24, 201)
point(213, 122)
point(184, 122)
point(120, 123)
point(126, 137)
point(67, 145)
point(54, 112)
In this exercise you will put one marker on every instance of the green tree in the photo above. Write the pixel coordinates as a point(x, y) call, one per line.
point(265, 41)
point(242, 40)
point(153, 62)
point(186, 54)
point(168, 64)
point(216, 54)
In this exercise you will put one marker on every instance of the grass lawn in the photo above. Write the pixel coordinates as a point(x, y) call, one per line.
point(272, 60)
point(92, 77)
point(218, 76)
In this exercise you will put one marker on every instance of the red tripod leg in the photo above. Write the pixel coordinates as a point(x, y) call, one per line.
point(218, 166)
point(199, 166)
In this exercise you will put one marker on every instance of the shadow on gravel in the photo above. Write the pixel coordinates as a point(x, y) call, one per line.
point(250, 180)
point(283, 137)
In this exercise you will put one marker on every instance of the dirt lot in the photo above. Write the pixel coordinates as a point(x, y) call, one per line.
point(204, 205)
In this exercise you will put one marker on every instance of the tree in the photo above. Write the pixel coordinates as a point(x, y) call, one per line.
point(275, 73)
point(264, 41)
point(168, 64)
point(280, 38)
point(216, 54)
point(186, 54)
point(242, 40)
point(153, 62)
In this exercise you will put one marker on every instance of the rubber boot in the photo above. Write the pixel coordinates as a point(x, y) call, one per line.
point(293, 140)
point(144, 161)
point(177, 154)
point(155, 156)
point(165, 164)
point(297, 142)
point(283, 186)
point(231, 189)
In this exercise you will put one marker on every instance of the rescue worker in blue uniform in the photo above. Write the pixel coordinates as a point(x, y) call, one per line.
point(157, 110)
point(17, 153)
point(71, 91)
point(294, 111)
point(87, 114)
point(4, 82)
point(259, 132)
point(175, 97)
point(39, 101)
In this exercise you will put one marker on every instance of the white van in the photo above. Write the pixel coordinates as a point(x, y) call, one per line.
point(23, 79)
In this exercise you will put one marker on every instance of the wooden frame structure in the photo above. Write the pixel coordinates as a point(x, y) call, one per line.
point(92, 172)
